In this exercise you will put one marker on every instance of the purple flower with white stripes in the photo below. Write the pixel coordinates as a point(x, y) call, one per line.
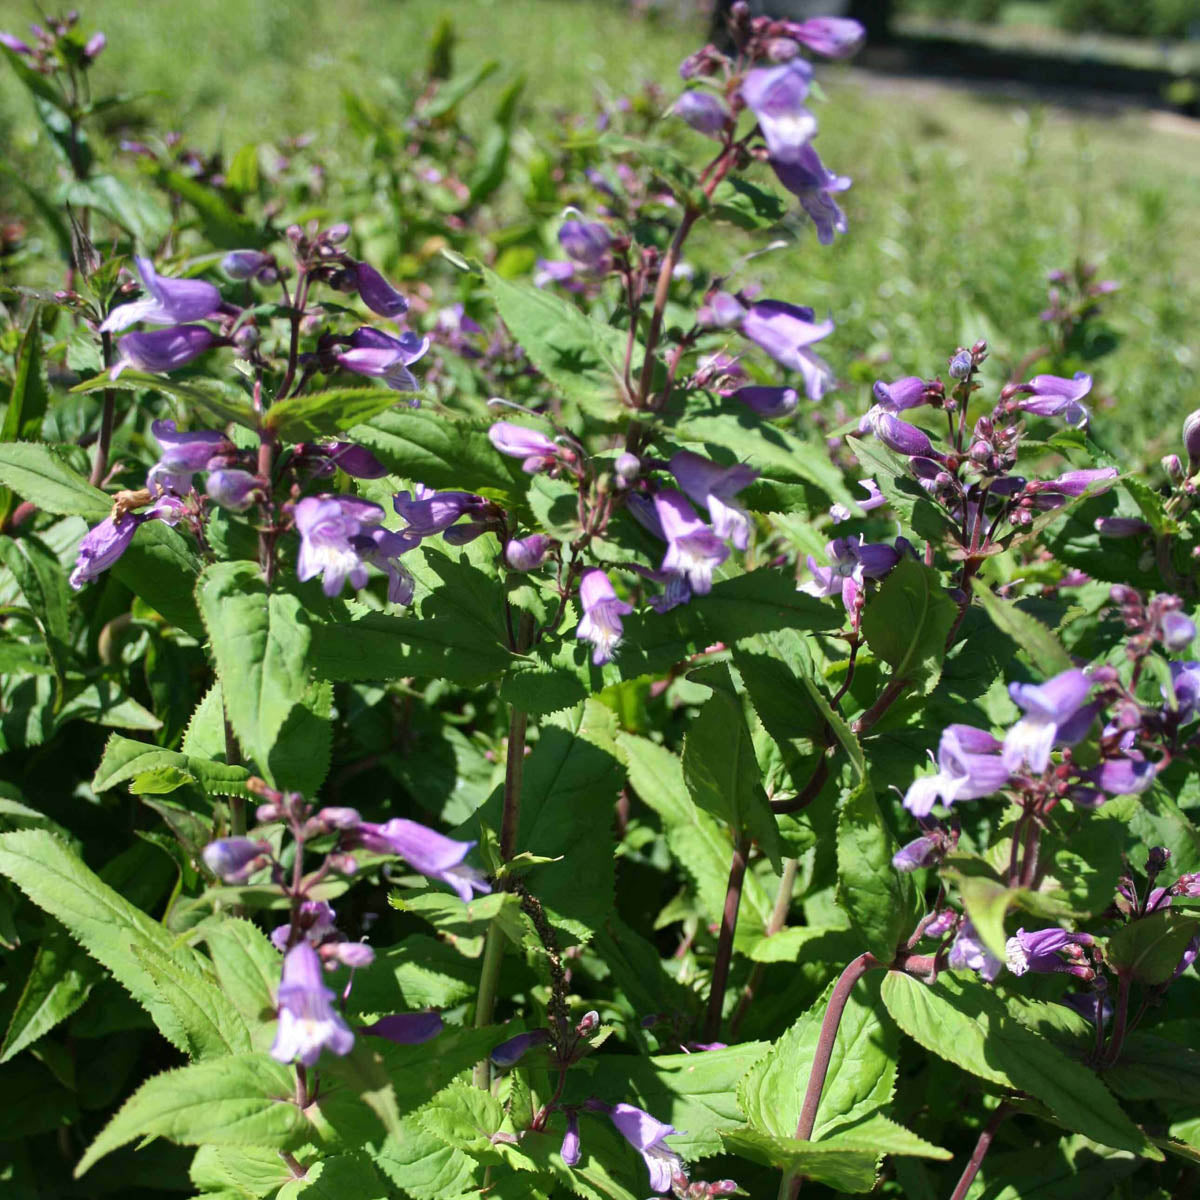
point(786, 331)
point(384, 356)
point(715, 487)
point(1053, 396)
point(1048, 708)
point(969, 768)
point(425, 850)
point(104, 544)
point(1048, 950)
point(602, 613)
point(162, 350)
point(815, 185)
point(308, 1022)
point(694, 551)
point(776, 96)
point(167, 301)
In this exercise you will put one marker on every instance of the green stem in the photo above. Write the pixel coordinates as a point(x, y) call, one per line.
point(485, 1004)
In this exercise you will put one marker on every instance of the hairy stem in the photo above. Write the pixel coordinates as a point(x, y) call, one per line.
point(485, 1002)
point(733, 900)
point(982, 1146)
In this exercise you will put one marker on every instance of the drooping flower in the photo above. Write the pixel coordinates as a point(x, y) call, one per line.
point(1053, 396)
point(920, 852)
point(602, 613)
point(720, 310)
point(377, 294)
point(163, 350)
point(407, 1029)
point(968, 953)
point(104, 544)
point(1040, 952)
point(648, 1137)
point(851, 560)
point(183, 454)
point(234, 859)
point(703, 111)
point(969, 768)
point(570, 1149)
point(425, 850)
point(509, 1053)
point(246, 264)
point(168, 301)
point(537, 451)
point(1123, 776)
point(715, 487)
point(900, 436)
point(776, 96)
point(232, 489)
point(768, 402)
point(383, 548)
point(1185, 679)
point(785, 332)
point(694, 551)
point(908, 392)
point(1177, 630)
point(834, 37)
point(384, 356)
point(327, 457)
point(308, 1022)
point(1048, 707)
point(427, 512)
point(814, 185)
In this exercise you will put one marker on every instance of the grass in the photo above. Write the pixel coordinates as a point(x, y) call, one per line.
point(960, 206)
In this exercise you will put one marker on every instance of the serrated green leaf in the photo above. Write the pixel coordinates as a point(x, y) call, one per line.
point(1043, 648)
point(321, 414)
point(906, 624)
point(36, 473)
point(125, 759)
point(1149, 950)
point(208, 398)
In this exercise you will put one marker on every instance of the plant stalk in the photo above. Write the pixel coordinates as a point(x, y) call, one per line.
point(775, 922)
point(733, 900)
point(982, 1146)
point(107, 414)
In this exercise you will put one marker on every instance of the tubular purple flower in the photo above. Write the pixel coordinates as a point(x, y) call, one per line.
point(232, 489)
point(814, 185)
point(834, 37)
point(509, 1053)
point(94, 46)
point(518, 441)
point(693, 550)
point(316, 922)
point(1053, 396)
point(308, 1022)
point(104, 544)
point(328, 527)
point(851, 560)
point(425, 850)
point(1047, 708)
point(905, 393)
point(382, 548)
point(586, 243)
point(355, 955)
point(234, 860)
point(164, 350)
point(1123, 776)
point(528, 553)
point(899, 435)
point(569, 1151)
point(768, 402)
point(776, 96)
point(1039, 951)
point(602, 613)
point(427, 512)
point(921, 852)
point(1075, 483)
point(969, 768)
point(968, 953)
point(551, 271)
point(357, 461)
point(168, 302)
point(785, 331)
point(1121, 527)
point(715, 487)
point(468, 531)
point(376, 293)
point(245, 264)
point(183, 455)
point(11, 42)
point(407, 1029)
point(1177, 631)
point(648, 1137)
point(676, 591)
point(720, 311)
point(379, 355)
point(704, 112)
point(1185, 679)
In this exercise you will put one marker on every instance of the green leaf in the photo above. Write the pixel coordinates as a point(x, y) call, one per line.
point(318, 414)
point(248, 969)
point(846, 1168)
point(721, 770)
point(985, 897)
point(242, 1100)
point(36, 473)
point(241, 1171)
point(138, 951)
point(906, 624)
point(260, 640)
point(1152, 1068)
point(337, 1178)
point(745, 205)
point(27, 399)
point(124, 759)
point(209, 398)
point(452, 92)
point(464, 1117)
point(1149, 949)
point(969, 1025)
point(423, 1166)
point(1043, 648)
point(862, 1069)
point(223, 225)
point(161, 568)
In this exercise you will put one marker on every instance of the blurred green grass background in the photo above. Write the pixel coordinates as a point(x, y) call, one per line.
point(963, 198)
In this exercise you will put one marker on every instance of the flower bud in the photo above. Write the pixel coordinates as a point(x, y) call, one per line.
point(960, 365)
point(586, 242)
point(509, 1053)
point(1121, 527)
point(1173, 467)
point(527, 554)
point(918, 853)
point(588, 1023)
point(232, 489)
point(1156, 859)
point(628, 467)
point(339, 818)
point(245, 264)
point(335, 235)
point(233, 860)
point(266, 813)
point(1191, 440)
point(350, 954)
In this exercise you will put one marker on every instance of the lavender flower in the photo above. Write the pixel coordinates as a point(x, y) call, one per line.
point(969, 768)
point(11, 42)
point(427, 512)
point(509, 1053)
point(1176, 630)
point(768, 402)
point(316, 922)
point(693, 550)
point(407, 1029)
point(104, 544)
point(834, 37)
point(648, 1137)
point(1039, 952)
point(1121, 527)
point(232, 489)
point(920, 852)
point(246, 264)
point(376, 293)
point(431, 853)
point(1123, 776)
point(807, 178)
point(234, 860)
point(900, 436)
point(518, 441)
point(357, 461)
point(704, 112)
point(164, 350)
point(1053, 396)
point(527, 554)
point(183, 455)
point(329, 527)
point(968, 953)
point(569, 1151)
point(785, 331)
point(602, 613)
point(1048, 707)
point(1185, 679)
point(586, 243)
point(851, 560)
point(905, 393)
point(776, 96)
point(715, 487)
point(169, 301)
point(308, 1022)
point(720, 311)
point(380, 355)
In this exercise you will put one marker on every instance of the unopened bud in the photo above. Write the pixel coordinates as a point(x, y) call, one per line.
point(1156, 859)
point(1191, 440)
point(1173, 467)
point(628, 467)
point(588, 1023)
point(337, 234)
point(260, 787)
point(343, 864)
point(961, 364)
point(266, 813)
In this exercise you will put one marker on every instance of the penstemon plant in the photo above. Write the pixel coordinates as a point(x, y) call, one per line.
point(551, 757)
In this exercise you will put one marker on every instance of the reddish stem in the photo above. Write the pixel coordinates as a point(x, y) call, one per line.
point(982, 1146)
point(733, 900)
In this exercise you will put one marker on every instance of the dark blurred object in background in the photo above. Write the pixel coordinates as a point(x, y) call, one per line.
point(874, 15)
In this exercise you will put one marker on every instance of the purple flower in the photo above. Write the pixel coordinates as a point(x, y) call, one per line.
point(183, 455)
point(908, 392)
point(968, 953)
point(569, 1151)
point(549, 271)
point(1185, 679)
point(518, 441)
point(106, 542)
point(330, 528)
point(232, 489)
point(94, 46)
point(316, 923)
point(648, 1137)
point(1039, 952)
point(425, 850)
point(834, 37)
point(407, 1029)
point(704, 112)
point(715, 487)
point(168, 302)
point(586, 243)
point(235, 859)
point(11, 42)
point(785, 331)
point(807, 178)
point(1075, 483)
point(899, 435)
point(527, 554)
point(851, 560)
point(308, 1022)
point(382, 356)
point(376, 293)
point(1123, 776)
point(1177, 631)
point(1048, 707)
point(720, 311)
point(164, 350)
point(1053, 396)
point(509, 1053)
point(602, 613)
point(427, 512)
point(776, 96)
point(357, 461)
point(246, 264)
point(382, 548)
point(1121, 527)
point(969, 768)
point(693, 550)
point(920, 852)
point(768, 402)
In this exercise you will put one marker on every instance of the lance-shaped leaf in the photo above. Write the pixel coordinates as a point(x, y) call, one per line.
point(260, 640)
point(317, 414)
point(125, 760)
point(35, 472)
point(1149, 950)
point(27, 398)
point(208, 398)
point(721, 770)
point(1043, 648)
